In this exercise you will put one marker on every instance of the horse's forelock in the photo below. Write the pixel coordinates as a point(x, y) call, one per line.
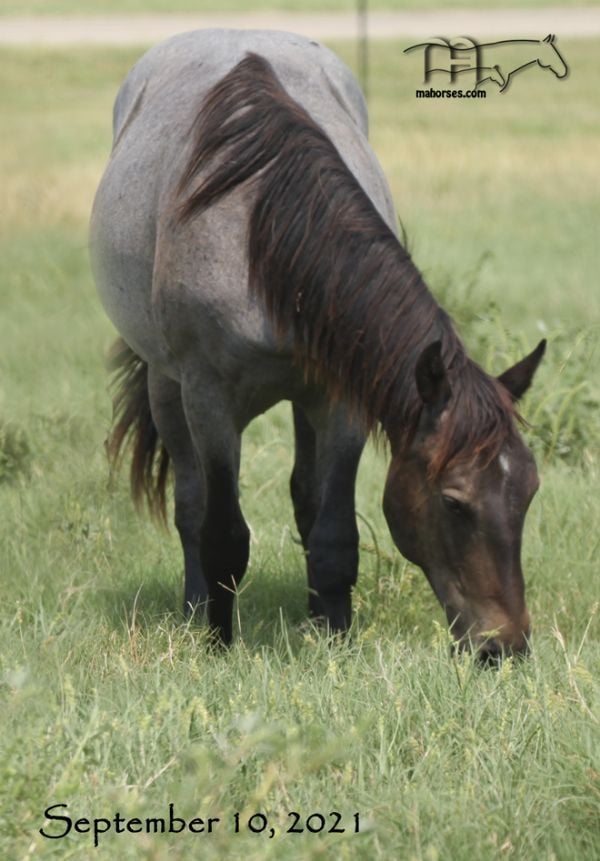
point(477, 421)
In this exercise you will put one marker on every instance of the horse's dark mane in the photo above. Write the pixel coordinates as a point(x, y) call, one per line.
point(329, 269)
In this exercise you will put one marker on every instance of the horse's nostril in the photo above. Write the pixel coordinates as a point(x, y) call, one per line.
point(490, 653)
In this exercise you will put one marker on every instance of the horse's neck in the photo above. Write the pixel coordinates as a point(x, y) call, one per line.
point(369, 330)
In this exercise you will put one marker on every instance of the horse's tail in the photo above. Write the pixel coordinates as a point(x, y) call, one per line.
point(133, 427)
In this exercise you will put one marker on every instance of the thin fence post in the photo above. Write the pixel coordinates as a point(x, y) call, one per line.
point(363, 47)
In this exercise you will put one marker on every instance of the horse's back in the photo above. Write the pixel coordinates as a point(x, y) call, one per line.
point(179, 71)
point(143, 259)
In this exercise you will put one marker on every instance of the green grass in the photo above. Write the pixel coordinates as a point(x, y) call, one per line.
point(110, 703)
point(105, 7)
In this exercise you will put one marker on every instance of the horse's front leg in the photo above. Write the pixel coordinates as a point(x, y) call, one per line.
point(328, 450)
point(224, 534)
point(196, 427)
point(225, 542)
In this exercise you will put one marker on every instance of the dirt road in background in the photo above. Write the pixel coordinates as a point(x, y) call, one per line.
point(144, 29)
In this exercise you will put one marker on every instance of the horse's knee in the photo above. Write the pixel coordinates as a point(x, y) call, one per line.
point(333, 559)
point(238, 549)
point(226, 552)
point(297, 486)
point(302, 495)
point(187, 524)
point(190, 502)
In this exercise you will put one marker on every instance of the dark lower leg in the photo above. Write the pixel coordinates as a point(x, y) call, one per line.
point(333, 568)
point(190, 489)
point(190, 505)
point(332, 543)
point(195, 593)
point(225, 550)
point(303, 482)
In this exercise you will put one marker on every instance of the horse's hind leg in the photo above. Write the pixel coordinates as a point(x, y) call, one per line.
point(190, 484)
point(328, 451)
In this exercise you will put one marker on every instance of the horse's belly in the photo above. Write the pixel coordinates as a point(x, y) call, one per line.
point(212, 324)
point(122, 252)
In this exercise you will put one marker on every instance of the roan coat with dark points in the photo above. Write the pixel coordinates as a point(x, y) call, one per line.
point(244, 244)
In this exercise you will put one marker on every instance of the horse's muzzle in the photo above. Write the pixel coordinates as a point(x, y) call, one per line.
point(491, 651)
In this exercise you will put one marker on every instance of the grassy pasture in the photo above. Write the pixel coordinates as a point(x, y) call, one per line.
point(109, 703)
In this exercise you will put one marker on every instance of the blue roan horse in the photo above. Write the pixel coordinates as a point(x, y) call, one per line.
point(244, 244)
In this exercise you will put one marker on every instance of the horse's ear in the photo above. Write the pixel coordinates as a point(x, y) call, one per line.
point(549, 38)
point(432, 380)
point(518, 378)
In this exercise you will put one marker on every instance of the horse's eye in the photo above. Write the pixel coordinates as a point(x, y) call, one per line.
point(454, 505)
